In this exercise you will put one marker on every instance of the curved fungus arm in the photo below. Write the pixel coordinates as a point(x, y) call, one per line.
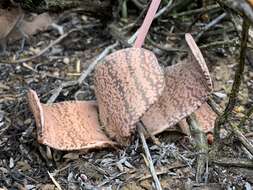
point(69, 125)
point(142, 33)
point(187, 86)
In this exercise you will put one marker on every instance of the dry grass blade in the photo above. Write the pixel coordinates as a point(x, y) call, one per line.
point(54, 181)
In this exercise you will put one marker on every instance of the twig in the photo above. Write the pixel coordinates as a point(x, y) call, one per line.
point(42, 51)
point(58, 90)
point(168, 49)
point(84, 74)
point(139, 4)
point(163, 171)
point(237, 80)
point(54, 181)
point(242, 138)
point(218, 43)
point(194, 11)
point(214, 106)
point(149, 158)
point(234, 162)
point(201, 145)
point(210, 25)
point(163, 10)
point(106, 51)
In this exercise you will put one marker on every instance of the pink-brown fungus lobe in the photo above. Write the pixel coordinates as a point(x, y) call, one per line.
point(127, 83)
point(188, 85)
point(206, 119)
point(70, 125)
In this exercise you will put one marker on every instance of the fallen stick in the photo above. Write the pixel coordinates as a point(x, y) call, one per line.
point(238, 134)
point(42, 51)
point(151, 167)
point(234, 162)
point(237, 80)
point(91, 67)
point(84, 74)
point(201, 145)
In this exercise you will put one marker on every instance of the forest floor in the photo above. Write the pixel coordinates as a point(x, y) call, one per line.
point(26, 164)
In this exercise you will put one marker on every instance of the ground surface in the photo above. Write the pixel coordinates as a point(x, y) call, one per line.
point(24, 164)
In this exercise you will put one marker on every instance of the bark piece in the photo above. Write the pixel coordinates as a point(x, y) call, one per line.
point(127, 83)
point(188, 85)
point(70, 125)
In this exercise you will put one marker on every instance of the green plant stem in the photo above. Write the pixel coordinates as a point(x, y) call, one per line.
point(201, 146)
point(237, 80)
point(124, 9)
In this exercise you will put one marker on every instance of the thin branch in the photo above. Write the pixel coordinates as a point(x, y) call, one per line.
point(210, 25)
point(84, 74)
point(238, 134)
point(201, 145)
point(58, 40)
point(91, 67)
point(237, 80)
point(234, 162)
point(149, 158)
point(194, 11)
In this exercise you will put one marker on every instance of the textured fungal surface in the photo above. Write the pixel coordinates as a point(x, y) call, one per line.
point(206, 119)
point(69, 125)
point(187, 86)
point(127, 83)
point(37, 110)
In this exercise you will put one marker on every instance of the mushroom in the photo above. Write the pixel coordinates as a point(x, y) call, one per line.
point(69, 125)
point(188, 85)
point(127, 83)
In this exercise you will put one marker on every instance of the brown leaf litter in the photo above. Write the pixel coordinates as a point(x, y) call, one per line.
point(9, 20)
point(14, 25)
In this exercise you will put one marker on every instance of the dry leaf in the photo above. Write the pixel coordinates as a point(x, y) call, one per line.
point(38, 23)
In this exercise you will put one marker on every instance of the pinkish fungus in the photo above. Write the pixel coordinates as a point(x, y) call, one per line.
point(70, 125)
point(127, 83)
point(130, 86)
point(188, 85)
point(206, 118)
